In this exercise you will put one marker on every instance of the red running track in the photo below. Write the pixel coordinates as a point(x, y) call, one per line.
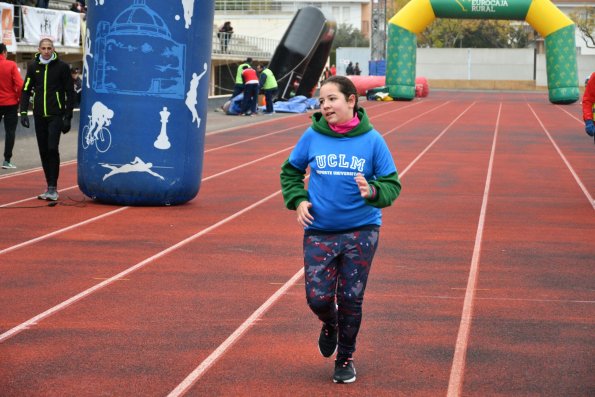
point(482, 285)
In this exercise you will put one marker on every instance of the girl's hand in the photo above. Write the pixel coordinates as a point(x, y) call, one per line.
point(304, 217)
point(363, 185)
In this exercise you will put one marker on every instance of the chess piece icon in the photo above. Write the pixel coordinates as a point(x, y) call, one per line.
point(162, 141)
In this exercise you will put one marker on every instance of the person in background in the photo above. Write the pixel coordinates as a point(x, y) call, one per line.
point(333, 70)
point(352, 176)
point(349, 70)
point(267, 85)
point(239, 85)
point(356, 70)
point(250, 100)
point(78, 86)
point(77, 6)
point(48, 78)
point(11, 84)
point(224, 35)
point(326, 73)
point(588, 105)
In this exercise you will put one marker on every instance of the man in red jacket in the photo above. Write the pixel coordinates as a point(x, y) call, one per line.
point(11, 84)
point(588, 103)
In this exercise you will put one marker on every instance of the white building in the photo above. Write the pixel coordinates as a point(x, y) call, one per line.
point(261, 18)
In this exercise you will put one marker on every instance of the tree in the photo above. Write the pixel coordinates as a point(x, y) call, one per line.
point(348, 36)
point(584, 18)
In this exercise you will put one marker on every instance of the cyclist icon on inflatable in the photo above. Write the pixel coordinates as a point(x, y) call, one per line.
point(96, 131)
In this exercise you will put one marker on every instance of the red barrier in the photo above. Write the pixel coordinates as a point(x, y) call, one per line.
point(365, 83)
point(422, 89)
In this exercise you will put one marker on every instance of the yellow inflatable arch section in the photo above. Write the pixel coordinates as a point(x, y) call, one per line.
point(542, 15)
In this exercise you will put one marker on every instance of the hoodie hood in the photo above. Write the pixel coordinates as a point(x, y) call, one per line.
point(320, 125)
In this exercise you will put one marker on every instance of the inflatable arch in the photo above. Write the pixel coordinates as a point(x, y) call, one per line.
point(542, 15)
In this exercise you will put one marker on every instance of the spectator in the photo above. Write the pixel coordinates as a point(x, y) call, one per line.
point(268, 85)
point(11, 85)
point(333, 70)
point(349, 70)
point(77, 6)
point(250, 99)
point(224, 35)
point(49, 78)
point(356, 70)
point(78, 86)
point(326, 73)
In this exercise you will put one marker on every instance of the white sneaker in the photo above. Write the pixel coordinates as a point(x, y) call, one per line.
point(8, 165)
point(52, 196)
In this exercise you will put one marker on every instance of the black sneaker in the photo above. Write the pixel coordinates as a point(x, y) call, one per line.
point(327, 341)
point(344, 370)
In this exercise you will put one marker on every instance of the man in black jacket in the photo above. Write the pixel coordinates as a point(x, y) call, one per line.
point(53, 102)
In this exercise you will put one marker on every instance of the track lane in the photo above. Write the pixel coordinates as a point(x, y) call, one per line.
point(535, 306)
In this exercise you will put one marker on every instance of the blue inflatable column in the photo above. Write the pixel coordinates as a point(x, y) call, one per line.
point(144, 102)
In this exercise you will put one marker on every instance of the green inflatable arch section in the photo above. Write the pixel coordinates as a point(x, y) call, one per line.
point(542, 15)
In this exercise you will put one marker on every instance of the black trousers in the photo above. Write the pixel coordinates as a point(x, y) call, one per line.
point(268, 97)
point(48, 131)
point(11, 118)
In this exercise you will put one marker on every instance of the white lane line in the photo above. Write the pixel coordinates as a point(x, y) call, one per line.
point(437, 138)
point(457, 370)
point(257, 137)
point(59, 231)
point(493, 298)
point(303, 125)
point(199, 371)
point(248, 163)
point(412, 118)
point(113, 212)
point(13, 331)
point(32, 170)
point(570, 114)
point(191, 379)
point(574, 174)
point(35, 197)
point(267, 121)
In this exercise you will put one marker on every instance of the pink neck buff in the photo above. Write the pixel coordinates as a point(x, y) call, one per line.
point(344, 128)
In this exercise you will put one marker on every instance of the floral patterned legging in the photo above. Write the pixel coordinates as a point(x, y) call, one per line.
point(337, 265)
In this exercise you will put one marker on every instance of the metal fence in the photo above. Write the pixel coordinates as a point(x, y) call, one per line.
point(261, 7)
point(224, 46)
point(235, 45)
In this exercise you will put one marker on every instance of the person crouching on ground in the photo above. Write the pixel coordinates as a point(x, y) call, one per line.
point(49, 78)
point(352, 176)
